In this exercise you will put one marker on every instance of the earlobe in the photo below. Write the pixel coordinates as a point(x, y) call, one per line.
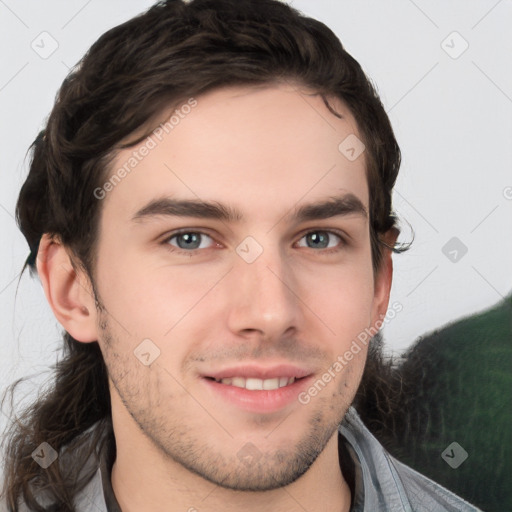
point(68, 292)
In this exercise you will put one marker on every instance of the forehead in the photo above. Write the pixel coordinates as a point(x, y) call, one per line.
point(261, 149)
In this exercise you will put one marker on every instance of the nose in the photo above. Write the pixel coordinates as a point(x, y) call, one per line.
point(263, 297)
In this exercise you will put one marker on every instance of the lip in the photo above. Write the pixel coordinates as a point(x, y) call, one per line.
point(258, 401)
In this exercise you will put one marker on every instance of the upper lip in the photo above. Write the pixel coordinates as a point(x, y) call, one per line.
point(259, 372)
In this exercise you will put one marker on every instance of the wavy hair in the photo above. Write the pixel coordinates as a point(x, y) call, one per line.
point(174, 50)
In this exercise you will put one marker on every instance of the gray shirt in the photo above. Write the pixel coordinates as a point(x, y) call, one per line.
point(379, 482)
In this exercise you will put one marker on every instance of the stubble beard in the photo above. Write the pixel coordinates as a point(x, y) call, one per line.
point(184, 445)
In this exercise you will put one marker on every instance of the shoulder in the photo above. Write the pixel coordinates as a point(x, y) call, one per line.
point(426, 495)
point(388, 484)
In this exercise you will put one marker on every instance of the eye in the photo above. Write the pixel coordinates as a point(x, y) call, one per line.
point(319, 239)
point(188, 241)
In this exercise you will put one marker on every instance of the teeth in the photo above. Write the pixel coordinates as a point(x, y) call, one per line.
point(270, 384)
point(239, 382)
point(253, 384)
point(258, 384)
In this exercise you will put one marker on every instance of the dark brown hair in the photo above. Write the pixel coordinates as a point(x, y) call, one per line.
point(174, 51)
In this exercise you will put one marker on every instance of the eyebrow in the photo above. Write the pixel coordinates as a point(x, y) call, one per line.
point(347, 204)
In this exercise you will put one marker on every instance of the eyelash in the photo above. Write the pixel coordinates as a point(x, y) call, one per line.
point(194, 252)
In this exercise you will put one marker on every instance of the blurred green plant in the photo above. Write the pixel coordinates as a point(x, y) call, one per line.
point(454, 384)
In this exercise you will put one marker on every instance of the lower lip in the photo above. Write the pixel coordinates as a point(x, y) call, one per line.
point(259, 401)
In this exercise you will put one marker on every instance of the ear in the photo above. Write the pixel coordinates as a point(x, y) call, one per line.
point(383, 280)
point(68, 292)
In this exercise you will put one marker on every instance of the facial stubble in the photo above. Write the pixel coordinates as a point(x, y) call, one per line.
point(140, 389)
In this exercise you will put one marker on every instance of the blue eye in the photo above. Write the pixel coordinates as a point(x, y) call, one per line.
point(188, 240)
point(322, 240)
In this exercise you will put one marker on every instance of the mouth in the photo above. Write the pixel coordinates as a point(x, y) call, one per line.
point(258, 389)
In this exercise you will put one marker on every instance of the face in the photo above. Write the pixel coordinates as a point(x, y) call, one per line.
point(220, 318)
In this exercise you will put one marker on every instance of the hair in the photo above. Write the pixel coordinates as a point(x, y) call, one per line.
point(173, 51)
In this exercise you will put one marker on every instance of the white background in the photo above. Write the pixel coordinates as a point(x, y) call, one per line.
point(452, 118)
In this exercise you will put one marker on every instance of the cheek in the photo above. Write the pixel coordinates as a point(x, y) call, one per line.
point(146, 300)
point(172, 307)
point(341, 297)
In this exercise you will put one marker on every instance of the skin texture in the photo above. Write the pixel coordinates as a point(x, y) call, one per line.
point(263, 151)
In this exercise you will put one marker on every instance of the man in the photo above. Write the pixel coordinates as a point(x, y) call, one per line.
point(209, 212)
